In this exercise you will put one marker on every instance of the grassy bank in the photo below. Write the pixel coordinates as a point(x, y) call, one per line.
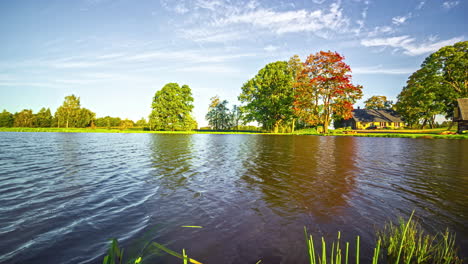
point(430, 134)
point(404, 242)
point(106, 130)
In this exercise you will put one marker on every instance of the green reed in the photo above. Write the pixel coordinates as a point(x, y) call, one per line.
point(405, 242)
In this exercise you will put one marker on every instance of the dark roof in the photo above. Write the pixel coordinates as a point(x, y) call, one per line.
point(374, 115)
point(463, 105)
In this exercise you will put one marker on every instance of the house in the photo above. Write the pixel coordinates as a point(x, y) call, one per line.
point(460, 114)
point(374, 118)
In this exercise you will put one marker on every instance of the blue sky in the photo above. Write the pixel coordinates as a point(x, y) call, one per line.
point(116, 54)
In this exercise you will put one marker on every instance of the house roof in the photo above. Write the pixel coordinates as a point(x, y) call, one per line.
point(463, 105)
point(375, 115)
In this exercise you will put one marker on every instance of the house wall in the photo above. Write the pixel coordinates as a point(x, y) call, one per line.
point(462, 126)
point(393, 125)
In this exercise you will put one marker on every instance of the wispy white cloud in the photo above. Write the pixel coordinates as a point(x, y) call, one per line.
point(379, 30)
point(208, 4)
point(450, 4)
point(420, 5)
point(110, 56)
point(408, 45)
point(181, 9)
point(209, 69)
point(399, 20)
point(205, 35)
point(332, 19)
point(319, 1)
point(270, 48)
point(186, 56)
point(381, 70)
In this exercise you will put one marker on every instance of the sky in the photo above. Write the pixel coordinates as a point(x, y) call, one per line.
point(115, 54)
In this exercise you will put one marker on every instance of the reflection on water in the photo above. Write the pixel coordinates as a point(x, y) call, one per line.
point(253, 194)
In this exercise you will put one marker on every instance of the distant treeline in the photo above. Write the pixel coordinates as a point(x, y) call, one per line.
point(69, 115)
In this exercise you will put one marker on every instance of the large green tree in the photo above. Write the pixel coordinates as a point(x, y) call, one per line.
point(421, 99)
point(172, 107)
point(24, 118)
point(324, 89)
point(68, 114)
point(434, 88)
point(6, 119)
point(378, 102)
point(269, 96)
point(43, 118)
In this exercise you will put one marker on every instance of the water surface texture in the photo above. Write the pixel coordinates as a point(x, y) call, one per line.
point(63, 195)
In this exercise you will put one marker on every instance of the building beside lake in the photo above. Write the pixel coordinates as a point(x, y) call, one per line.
point(373, 118)
point(461, 114)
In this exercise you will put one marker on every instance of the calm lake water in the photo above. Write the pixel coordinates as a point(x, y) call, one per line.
point(63, 195)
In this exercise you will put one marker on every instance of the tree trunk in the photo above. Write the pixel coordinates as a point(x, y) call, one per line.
point(275, 127)
point(450, 125)
point(293, 125)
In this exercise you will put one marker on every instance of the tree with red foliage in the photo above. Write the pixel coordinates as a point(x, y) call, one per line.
point(323, 90)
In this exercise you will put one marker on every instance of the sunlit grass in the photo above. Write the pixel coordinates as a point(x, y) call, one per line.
point(308, 131)
point(406, 242)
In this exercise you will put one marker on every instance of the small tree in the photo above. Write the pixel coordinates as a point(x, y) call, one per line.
point(24, 118)
point(219, 116)
point(67, 114)
point(6, 119)
point(378, 102)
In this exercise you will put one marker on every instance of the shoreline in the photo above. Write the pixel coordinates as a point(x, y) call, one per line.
point(387, 134)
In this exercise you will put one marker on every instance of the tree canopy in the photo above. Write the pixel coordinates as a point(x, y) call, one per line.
point(70, 114)
point(172, 107)
point(6, 119)
point(324, 89)
point(434, 88)
point(378, 102)
point(269, 96)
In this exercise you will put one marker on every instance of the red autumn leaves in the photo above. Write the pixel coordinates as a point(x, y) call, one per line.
point(323, 89)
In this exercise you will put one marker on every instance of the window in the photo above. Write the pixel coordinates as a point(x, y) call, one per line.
point(382, 124)
point(397, 124)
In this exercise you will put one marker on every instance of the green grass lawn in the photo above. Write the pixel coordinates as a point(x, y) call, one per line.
point(111, 130)
point(406, 133)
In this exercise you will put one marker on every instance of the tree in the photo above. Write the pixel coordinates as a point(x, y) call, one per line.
point(127, 123)
point(219, 116)
point(449, 67)
point(172, 107)
point(85, 118)
point(295, 66)
point(142, 122)
point(434, 88)
point(67, 114)
point(6, 119)
point(237, 117)
point(43, 118)
point(24, 118)
point(324, 89)
point(378, 102)
point(269, 96)
point(421, 99)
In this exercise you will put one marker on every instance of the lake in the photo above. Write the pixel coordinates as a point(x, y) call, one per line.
point(64, 195)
